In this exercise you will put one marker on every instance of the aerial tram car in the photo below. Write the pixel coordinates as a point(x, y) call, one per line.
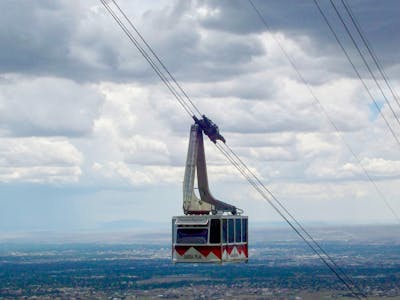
point(210, 231)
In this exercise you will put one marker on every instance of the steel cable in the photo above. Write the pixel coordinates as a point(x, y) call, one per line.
point(370, 50)
point(312, 243)
point(158, 59)
point(329, 119)
point(149, 59)
point(364, 60)
point(241, 168)
point(357, 73)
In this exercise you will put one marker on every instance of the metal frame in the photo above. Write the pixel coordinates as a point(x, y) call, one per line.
point(196, 161)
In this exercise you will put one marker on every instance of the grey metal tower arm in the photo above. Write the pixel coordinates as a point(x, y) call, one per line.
point(196, 161)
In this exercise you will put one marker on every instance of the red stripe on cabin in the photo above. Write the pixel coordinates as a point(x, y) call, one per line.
point(240, 249)
point(181, 249)
point(204, 250)
point(217, 252)
point(229, 249)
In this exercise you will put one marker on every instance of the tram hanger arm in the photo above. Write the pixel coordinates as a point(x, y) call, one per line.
point(209, 128)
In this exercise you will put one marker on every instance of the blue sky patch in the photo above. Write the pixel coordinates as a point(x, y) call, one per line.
point(374, 111)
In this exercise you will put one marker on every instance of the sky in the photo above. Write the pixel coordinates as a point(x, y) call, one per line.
point(90, 138)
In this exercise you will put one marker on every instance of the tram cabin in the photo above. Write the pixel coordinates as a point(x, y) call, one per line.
point(209, 238)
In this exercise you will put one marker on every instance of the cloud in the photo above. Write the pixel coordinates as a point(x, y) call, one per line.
point(67, 39)
point(39, 160)
point(377, 167)
point(36, 36)
point(139, 175)
point(139, 149)
point(219, 40)
point(45, 106)
point(78, 103)
point(138, 128)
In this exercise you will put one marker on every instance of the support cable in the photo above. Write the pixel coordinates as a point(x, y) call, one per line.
point(157, 58)
point(364, 60)
point(370, 50)
point(149, 59)
point(357, 73)
point(301, 232)
point(329, 119)
point(236, 164)
point(290, 215)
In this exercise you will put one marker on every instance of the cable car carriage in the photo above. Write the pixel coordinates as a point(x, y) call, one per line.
point(211, 231)
point(209, 238)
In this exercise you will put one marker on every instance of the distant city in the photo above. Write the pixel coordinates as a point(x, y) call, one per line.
point(132, 266)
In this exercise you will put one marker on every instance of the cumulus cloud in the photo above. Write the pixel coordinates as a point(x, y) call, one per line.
point(47, 106)
point(139, 149)
point(39, 160)
point(65, 39)
point(377, 167)
point(299, 19)
point(80, 40)
point(79, 104)
point(139, 175)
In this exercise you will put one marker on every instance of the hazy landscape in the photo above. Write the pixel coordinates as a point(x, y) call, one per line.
point(129, 265)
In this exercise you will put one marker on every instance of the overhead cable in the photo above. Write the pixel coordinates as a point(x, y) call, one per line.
point(378, 108)
point(370, 50)
point(157, 58)
point(364, 61)
point(289, 218)
point(149, 59)
point(237, 164)
point(326, 115)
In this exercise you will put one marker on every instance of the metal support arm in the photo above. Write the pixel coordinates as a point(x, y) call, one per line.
point(196, 161)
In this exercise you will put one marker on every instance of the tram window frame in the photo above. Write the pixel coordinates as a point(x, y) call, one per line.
point(200, 239)
point(231, 231)
point(215, 231)
point(238, 230)
point(244, 230)
point(224, 231)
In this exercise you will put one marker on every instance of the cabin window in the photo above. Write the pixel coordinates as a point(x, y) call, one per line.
point(238, 231)
point(192, 236)
point(224, 230)
point(215, 231)
point(231, 231)
point(244, 230)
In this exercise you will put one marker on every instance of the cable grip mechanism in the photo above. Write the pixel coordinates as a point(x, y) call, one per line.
point(209, 128)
